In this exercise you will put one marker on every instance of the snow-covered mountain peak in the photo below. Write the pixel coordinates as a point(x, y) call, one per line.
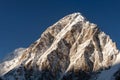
point(77, 14)
point(71, 49)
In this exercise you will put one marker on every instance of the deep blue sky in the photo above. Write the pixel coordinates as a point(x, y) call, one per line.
point(23, 21)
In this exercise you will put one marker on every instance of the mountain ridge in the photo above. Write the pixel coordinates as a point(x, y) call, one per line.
point(72, 48)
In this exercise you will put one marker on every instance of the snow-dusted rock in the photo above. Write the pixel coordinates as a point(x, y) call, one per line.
point(71, 49)
point(11, 61)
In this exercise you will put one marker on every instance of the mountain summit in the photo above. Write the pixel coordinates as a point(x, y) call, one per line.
point(71, 49)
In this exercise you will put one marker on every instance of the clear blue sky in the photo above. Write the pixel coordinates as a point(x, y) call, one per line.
point(23, 21)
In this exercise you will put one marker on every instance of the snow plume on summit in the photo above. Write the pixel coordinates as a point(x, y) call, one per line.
point(71, 49)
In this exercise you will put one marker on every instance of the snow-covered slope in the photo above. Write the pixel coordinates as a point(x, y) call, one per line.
point(71, 49)
point(109, 74)
point(11, 61)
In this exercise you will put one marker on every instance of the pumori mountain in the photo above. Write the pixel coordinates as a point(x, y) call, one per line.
point(71, 49)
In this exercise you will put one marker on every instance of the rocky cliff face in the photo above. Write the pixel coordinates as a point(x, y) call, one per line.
point(71, 49)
